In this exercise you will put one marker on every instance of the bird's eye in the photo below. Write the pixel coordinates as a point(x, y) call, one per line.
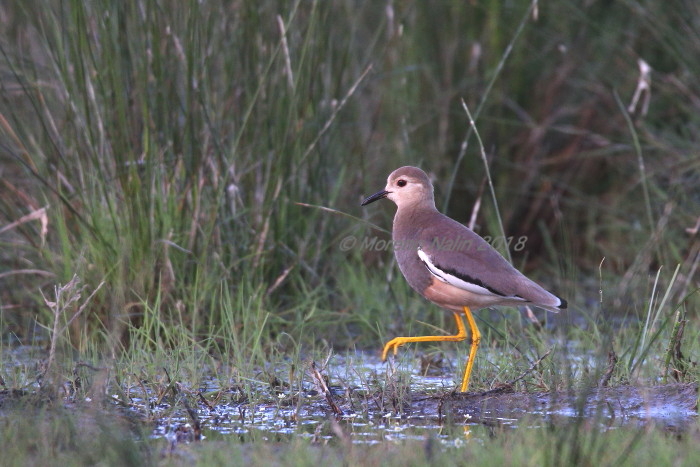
point(401, 183)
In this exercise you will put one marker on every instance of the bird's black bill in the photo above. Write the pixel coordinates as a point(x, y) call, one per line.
point(380, 195)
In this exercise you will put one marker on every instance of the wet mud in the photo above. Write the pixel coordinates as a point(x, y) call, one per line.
point(673, 405)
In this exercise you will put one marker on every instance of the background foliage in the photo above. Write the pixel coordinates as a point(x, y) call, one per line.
point(165, 147)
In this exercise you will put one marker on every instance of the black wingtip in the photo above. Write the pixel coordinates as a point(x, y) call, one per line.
point(563, 305)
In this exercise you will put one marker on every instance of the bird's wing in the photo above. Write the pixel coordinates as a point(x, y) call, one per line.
point(456, 255)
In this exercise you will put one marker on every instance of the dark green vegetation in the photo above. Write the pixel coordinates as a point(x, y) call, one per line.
point(173, 152)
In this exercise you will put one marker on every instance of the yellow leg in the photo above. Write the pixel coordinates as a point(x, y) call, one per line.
point(476, 339)
point(397, 342)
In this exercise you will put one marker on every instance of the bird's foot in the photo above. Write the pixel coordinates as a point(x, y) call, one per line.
point(394, 345)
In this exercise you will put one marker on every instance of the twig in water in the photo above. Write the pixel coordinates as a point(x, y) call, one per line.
point(673, 352)
point(320, 382)
point(612, 361)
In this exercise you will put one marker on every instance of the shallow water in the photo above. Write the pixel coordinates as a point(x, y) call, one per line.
point(375, 408)
point(369, 415)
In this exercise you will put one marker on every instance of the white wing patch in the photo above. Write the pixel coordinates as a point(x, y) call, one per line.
point(456, 281)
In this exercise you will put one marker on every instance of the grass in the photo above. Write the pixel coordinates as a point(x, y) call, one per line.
point(175, 153)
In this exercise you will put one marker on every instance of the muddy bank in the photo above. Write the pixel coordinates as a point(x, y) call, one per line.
point(673, 404)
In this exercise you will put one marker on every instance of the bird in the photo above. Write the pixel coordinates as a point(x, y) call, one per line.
point(451, 265)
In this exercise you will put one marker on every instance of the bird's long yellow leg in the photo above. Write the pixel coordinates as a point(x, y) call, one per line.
point(397, 342)
point(476, 339)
